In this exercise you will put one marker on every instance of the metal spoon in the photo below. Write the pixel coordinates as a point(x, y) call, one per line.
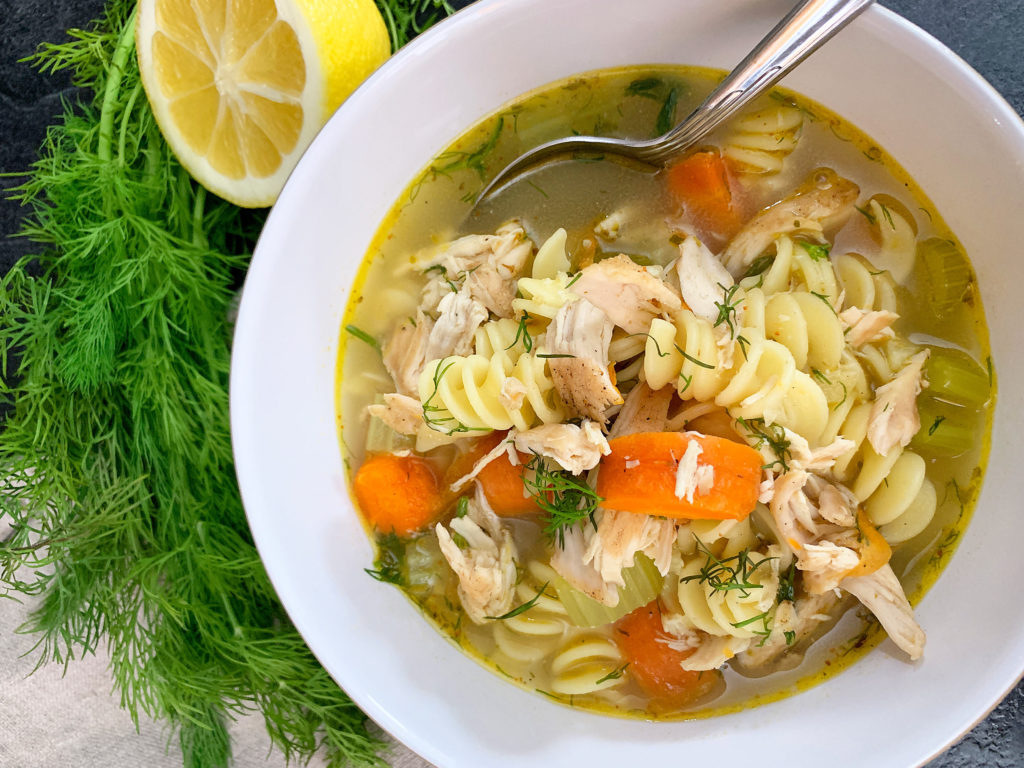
point(800, 33)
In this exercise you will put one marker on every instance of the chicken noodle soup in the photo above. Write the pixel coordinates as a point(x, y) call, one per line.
point(640, 439)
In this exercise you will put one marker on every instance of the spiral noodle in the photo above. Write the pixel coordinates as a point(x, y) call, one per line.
point(543, 297)
point(532, 635)
point(500, 337)
point(863, 285)
point(898, 240)
point(467, 391)
point(586, 665)
point(793, 267)
point(697, 373)
point(761, 141)
point(893, 488)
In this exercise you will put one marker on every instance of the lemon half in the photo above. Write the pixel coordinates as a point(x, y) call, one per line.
point(239, 88)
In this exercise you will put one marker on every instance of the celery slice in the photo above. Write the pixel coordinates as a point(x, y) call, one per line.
point(946, 430)
point(946, 271)
point(380, 438)
point(955, 376)
point(643, 583)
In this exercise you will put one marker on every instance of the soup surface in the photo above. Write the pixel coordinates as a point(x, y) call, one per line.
point(666, 442)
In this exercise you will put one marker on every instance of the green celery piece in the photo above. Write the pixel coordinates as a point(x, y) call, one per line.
point(946, 430)
point(954, 376)
point(643, 583)
point(380, 438)
point(946, 272)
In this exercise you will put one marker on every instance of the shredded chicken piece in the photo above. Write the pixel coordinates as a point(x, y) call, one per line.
point(583, 332)
point(505, 448)
point(621, 535)
point(512, 394)
point(838, 505)
point(894, 419)
point(567, 560)
point(824, 565)
point(402, 413)
point(453, 332)
point(692, 477)
point(867, 326)
point(487, 265)
point(802, 456)
point(713, 652)
point(487, 566)
point(575, 449)
point(405, 353)
point(822, 202)
point(882, 594)
point(627, 293)
point(643, 411)
point(702, 279)
point(803, 619)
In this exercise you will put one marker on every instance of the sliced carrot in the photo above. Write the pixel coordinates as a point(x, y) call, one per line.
point(701, 185)
point(399, 494)
point(502, 483)
point(655, 665)
point(639, 475)
point(874, 551)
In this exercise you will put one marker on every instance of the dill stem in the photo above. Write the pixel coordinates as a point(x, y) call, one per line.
point(126, 118)
point(115, 77)
point(198, 210)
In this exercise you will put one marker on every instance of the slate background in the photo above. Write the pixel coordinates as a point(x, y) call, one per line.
point(986, 33)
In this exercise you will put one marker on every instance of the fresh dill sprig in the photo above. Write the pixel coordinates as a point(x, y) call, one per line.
point(437, 417)
point(727, 574)
point(815, 251)
point(520, 609)
point(522, 334)
point(615, 674)
point(363, 336)
point(727, 308)
point(388, 566)
point(772, 435)
point(118, 477)
point(407, 18)
point(565, 499)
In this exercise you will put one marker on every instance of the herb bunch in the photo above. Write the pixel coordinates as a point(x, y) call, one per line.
point(118, 481)
point(565, 499)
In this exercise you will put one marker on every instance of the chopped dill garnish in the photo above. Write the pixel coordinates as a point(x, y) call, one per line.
point(565, 499)
point(866, 214)
point(521, 608)
point(787, 590)
point(727, 308)
point(825, 299)
point(759, 266)
point(437, 417)
point(693, 359)
point(935, 425)
point(389, 561)
point(687, 379)
point(820, 376)
point(553, 355)
point(363, 336)
point(772, 435)
point(522, 334)
point(462, 506)
point(646, 87)
point(575, 277)
point(475, 160)
point(667, 113)
point(727, 574)
point(615, 674)
point(537, 187)
point(815, 251)
point(790, 636)
point(887, 215)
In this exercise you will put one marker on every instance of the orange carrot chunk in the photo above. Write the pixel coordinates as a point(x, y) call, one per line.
point(502, 483)
point(654, 665)
point(399, 494)
point(700, 185)
point(641, 473)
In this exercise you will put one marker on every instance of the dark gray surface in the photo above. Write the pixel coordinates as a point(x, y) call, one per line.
point(986, 33)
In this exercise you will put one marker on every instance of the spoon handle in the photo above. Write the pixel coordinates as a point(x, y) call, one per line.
point(803, 29)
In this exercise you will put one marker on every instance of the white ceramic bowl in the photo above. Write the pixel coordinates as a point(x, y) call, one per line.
point(941, 121)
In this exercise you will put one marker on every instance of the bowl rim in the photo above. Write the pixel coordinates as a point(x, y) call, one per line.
point(437, 36)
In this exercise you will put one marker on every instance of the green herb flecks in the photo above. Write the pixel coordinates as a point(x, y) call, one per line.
point(790, 636)
point(815, 251)
point(437, 417)
point(667, 113)
point(407, 18)
point(787, 589)
point(730, 573)
point(363, 336)
point(759, 266)
point(772, 435)
point(519, 609)
point(119, 483)
point(389, 564)
point(866, 214)
point(522, 334)
point(647, 87)
point(565, 499)
point(825, 299)
point(615, 674)
point(935, 424)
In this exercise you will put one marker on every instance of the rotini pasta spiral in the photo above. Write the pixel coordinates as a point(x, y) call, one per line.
point(543, 297)
point(808, 326)
point(500, 337)
point(585, 665)
point(793, 267)
point(863, 285)
point(893, 488)
point(687, 352)
point(899, 241)
point(532, 635)
point(471, 392)
point(763, 140)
